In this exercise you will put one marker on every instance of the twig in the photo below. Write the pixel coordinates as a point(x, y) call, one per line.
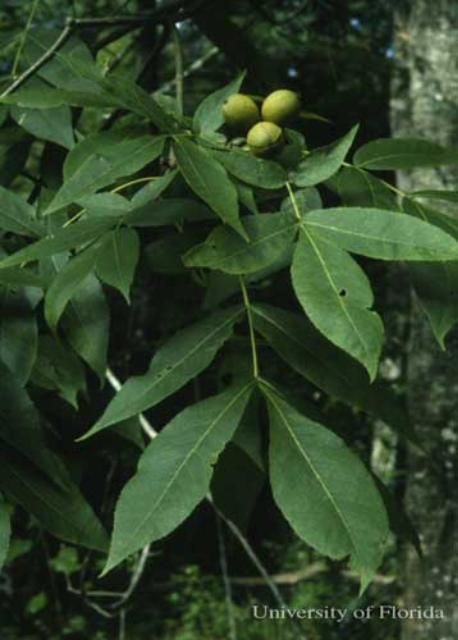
point(122, 624)
point(118, 58)
point(28, 73)
point(136, 577)
point(72, 24)
point(145, 424)
point(226, 580)
point(309, 573)
point(111, 609)
point(195, 66)
point(24, 38)
point(260, 567)
point(116, 384)
point(179, 77)
point(172, 11)
point(252, 555)
point(254, 351)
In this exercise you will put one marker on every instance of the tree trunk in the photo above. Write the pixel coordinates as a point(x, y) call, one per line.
point(425, 105)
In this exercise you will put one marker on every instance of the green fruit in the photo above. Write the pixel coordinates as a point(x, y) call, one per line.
point(264, 138)
point(240, 112)
point(281, 106)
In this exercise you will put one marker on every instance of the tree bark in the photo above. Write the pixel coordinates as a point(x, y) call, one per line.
point(425, 105)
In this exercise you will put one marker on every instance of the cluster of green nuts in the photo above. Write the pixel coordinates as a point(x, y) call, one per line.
point(263, 128)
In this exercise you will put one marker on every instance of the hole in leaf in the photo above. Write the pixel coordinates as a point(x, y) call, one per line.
point(342, 293)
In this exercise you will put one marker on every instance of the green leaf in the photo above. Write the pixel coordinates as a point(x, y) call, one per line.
point(70, 237)
point(117, 260)
point(431, 194)
point(208, 179)
point(43, 96)
point(209, 114)
point(357, 187)
point(62, 69)
point(435, 284)
point(86, 324)
point(221, 286)
point(249, 435)
point(400, 522)
point(269, 235)
point(155, 188)
point(101, 159)
point(433, 216)
point(387, 235)
point(37, 604)
point(84, 84)
point(323, 163)
point(5, 532)
point(105, 205)
point(47, 98)
point(127, 94)
point(437, 288)
point(174, 472)
point(236, 484)
point(64, 513)
point(20, 428)
point(304, 349)
point(290, 155)
point(18, 333)
point(17, 277)
point(306, 200)
point(58, 368)
point(179, 360)
point(168, 212)
point(246, 196)
point(324, 491)
point(264, 174)
point(66, 561)
point(131, 431)
point(67, 282)
point(54, 125)
point(387, 154)
point(336, 295)
point(17, 215)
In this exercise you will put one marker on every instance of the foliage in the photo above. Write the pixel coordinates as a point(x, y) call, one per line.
point(165, 194)
point(232, 293)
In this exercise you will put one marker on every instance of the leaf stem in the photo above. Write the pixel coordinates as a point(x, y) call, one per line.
point(121, 187)
point(254, 351)
point(131, 183)
point(292, 197)
point(390, 186)
point(179, 72)
point(23, 39)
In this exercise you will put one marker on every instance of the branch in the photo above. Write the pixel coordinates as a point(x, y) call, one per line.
point(265, 579)
point(116, 384)
point(179, 74)
point(294, 577)
point(174, 11)
point(28, 73)
point(226, 579)
point(147, 427)
point(195, 66)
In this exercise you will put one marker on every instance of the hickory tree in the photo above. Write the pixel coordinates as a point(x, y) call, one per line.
point(206, 260)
